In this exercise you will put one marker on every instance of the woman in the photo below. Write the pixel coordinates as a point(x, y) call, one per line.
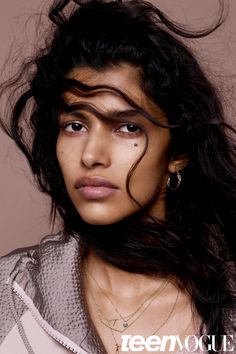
point(127, 136)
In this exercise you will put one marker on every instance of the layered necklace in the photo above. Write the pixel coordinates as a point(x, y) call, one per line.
point(121, 323)
point(127, 320)
point(117, 346)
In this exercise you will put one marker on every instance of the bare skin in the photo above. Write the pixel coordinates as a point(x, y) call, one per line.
point(96, 147)
point(170, 313)
point(88, 146)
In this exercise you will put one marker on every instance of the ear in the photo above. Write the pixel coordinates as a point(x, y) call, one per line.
point(178, 163)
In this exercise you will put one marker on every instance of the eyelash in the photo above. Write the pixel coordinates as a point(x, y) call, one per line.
point(70, 124)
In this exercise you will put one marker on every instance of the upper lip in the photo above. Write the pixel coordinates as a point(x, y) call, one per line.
point(95, 181)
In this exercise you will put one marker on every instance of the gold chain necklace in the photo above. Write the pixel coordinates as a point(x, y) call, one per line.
point(117, 346)
point(127, 318)
point(104, 320)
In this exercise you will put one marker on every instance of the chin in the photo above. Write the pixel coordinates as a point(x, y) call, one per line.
point(97, 222)
point(101, 218)
point(103, 214)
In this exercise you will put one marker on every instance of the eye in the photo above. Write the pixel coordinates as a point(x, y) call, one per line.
point(130, 129)
point(74, 127)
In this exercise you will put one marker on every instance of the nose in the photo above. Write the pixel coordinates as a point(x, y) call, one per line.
point(95, 151)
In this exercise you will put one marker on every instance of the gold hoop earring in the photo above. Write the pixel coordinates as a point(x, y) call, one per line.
point(170, 184)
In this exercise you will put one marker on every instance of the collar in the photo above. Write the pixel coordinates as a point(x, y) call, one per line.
point(51, 276)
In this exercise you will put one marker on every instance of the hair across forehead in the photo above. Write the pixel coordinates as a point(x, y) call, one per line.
point(196, 240)
point(73, 92)
point(99, 34)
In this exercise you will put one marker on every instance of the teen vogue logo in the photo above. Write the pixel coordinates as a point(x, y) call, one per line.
point(172, 343)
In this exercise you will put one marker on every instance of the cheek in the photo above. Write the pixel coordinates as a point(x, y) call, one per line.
point(67, 156)
point(149, 178)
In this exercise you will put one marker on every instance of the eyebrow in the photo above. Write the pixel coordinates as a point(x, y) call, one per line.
point(111, 114)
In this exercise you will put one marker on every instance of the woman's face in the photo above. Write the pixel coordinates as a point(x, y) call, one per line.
point(95, 155)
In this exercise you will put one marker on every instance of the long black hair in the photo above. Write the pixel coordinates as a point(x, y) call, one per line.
point(194, 245)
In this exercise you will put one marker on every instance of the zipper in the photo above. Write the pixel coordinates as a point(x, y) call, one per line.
point(60, 338)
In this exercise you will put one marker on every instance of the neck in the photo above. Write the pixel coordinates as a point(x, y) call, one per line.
point(117, 282)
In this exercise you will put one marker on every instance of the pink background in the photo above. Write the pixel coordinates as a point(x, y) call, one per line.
point(23, 210)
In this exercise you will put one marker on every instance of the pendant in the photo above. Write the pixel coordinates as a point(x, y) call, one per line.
point(117, 349)
point(125, 325)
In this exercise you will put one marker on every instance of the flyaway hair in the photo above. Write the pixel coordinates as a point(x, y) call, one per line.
point(195, 244)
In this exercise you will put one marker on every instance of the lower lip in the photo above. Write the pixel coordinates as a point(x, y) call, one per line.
point(95, 192)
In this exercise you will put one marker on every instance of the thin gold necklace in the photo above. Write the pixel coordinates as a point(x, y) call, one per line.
point(126, 318)
point(117, 346)
point(104, 320)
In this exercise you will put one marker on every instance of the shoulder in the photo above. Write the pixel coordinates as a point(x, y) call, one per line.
point(9, 261)
point(7, 265)
point(18, 260)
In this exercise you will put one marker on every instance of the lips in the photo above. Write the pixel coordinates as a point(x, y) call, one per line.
point(95, 187)
point(95, 181)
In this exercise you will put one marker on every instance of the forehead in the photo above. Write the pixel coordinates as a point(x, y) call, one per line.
point(124, 77)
